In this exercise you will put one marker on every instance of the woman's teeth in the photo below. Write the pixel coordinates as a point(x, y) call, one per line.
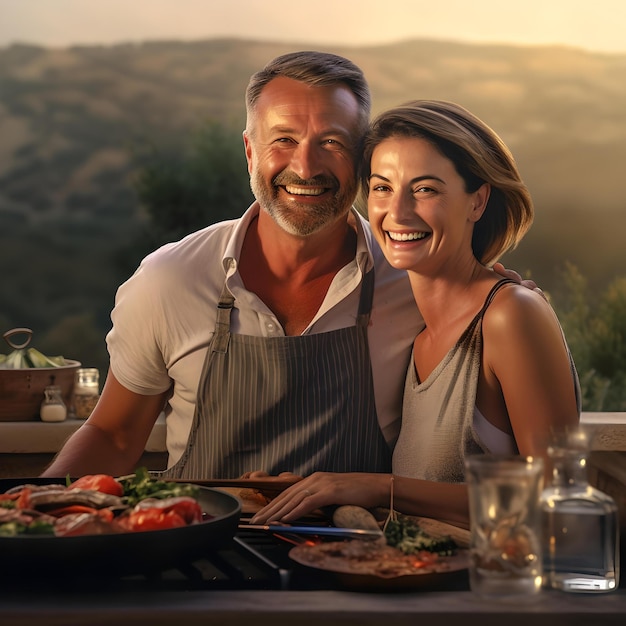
point(406, 236)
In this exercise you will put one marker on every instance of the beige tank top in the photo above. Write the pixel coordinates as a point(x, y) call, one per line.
point(439, 428)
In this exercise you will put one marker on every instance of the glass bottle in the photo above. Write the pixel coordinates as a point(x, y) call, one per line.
point(53, 408)
point(86, 391)
point(580, 524)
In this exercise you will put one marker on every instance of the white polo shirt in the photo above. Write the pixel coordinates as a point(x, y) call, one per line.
point(164, 318)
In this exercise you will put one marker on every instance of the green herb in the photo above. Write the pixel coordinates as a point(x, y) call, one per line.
point(39, 527)
point(406, 535)
point(36, 527)
point(11, 529)
point(142, 485)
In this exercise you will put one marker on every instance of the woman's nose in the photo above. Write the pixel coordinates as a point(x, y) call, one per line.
point(401, 206)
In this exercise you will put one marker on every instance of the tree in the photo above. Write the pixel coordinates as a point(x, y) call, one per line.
point(185, 189)
point(596, 334)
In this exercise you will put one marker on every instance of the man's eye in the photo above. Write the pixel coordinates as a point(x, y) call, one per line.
point(332, 144)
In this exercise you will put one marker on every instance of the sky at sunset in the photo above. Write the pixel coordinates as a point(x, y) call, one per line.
point(599, 25)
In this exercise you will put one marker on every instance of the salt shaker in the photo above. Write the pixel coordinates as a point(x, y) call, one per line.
point(53, 408)
point(86, 391)
point(580, 524)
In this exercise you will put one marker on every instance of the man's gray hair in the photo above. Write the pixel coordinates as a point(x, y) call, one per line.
point(318, 69)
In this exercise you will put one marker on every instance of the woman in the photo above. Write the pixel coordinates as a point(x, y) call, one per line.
point(491, 372)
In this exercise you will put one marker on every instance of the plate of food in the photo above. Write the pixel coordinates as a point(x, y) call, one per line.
point(406, 557)
point(104, 525)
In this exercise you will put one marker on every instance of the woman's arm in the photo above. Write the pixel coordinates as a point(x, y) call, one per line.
point(525, 354)
point(443, 501)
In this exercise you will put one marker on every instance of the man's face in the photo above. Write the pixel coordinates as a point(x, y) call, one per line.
point(300, 145)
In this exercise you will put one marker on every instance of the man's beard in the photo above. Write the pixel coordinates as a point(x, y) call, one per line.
point(302, 219)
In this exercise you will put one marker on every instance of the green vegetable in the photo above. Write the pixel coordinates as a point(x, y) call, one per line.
point(21, 359)
point(15, 360)
point(141, 485)
point(406, 535)
point(37, 527)
point(12, 529)
point(37, 359)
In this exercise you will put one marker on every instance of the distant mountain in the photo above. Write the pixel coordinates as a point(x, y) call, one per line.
point(70, 119)
point(67, 116)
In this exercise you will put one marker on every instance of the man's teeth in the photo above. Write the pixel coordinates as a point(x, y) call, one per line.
point(305, 191)
point(406, 236)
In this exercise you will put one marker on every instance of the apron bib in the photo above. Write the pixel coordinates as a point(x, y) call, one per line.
point(299, 404)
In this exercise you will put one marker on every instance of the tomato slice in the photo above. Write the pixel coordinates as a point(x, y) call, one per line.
point(105, 514)
point(185, 506)
point(99, 482)
point(74, 508)
point(153, 514)
point(150, 519)
point(23, 500)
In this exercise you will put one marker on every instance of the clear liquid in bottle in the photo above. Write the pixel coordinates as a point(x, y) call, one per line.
point(580, 526)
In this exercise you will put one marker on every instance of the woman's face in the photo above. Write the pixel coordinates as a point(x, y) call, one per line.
point(420, 213)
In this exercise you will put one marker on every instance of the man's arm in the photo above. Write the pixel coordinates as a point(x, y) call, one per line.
point(113, 439)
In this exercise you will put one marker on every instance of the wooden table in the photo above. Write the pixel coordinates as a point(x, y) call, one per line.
point(308, 608)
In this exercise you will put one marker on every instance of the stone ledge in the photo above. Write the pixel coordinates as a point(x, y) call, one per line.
point(37, 437)
point(607, 432)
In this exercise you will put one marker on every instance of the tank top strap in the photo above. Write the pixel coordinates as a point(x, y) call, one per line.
point(493, 291)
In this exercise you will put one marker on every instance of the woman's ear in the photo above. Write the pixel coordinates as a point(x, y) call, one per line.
point(481, 197)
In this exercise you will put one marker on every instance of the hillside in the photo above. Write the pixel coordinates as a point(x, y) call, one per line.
point(71, 119)
point(74, 111)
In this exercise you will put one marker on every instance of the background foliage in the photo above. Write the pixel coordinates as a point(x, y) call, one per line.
point(107, 152)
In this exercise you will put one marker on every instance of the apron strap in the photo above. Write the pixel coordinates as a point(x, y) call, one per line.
point(367, 297)
point(222, 325)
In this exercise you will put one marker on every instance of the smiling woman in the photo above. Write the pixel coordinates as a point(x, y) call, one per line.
point(445, 200)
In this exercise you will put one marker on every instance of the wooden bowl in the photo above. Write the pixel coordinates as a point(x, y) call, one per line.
point(21, 390)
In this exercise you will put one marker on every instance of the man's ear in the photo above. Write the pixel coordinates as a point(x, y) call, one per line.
point(248, 148)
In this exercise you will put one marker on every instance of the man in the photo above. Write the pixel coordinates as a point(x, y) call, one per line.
point(254, 335)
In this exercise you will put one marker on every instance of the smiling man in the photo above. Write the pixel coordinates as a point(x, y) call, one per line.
point(254, 335)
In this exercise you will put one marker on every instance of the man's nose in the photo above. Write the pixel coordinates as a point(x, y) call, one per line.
point(307, 160)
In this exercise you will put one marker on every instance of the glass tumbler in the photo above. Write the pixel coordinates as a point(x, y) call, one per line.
point(505, 525)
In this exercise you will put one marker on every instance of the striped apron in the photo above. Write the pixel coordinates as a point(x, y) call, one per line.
point(299, 403)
